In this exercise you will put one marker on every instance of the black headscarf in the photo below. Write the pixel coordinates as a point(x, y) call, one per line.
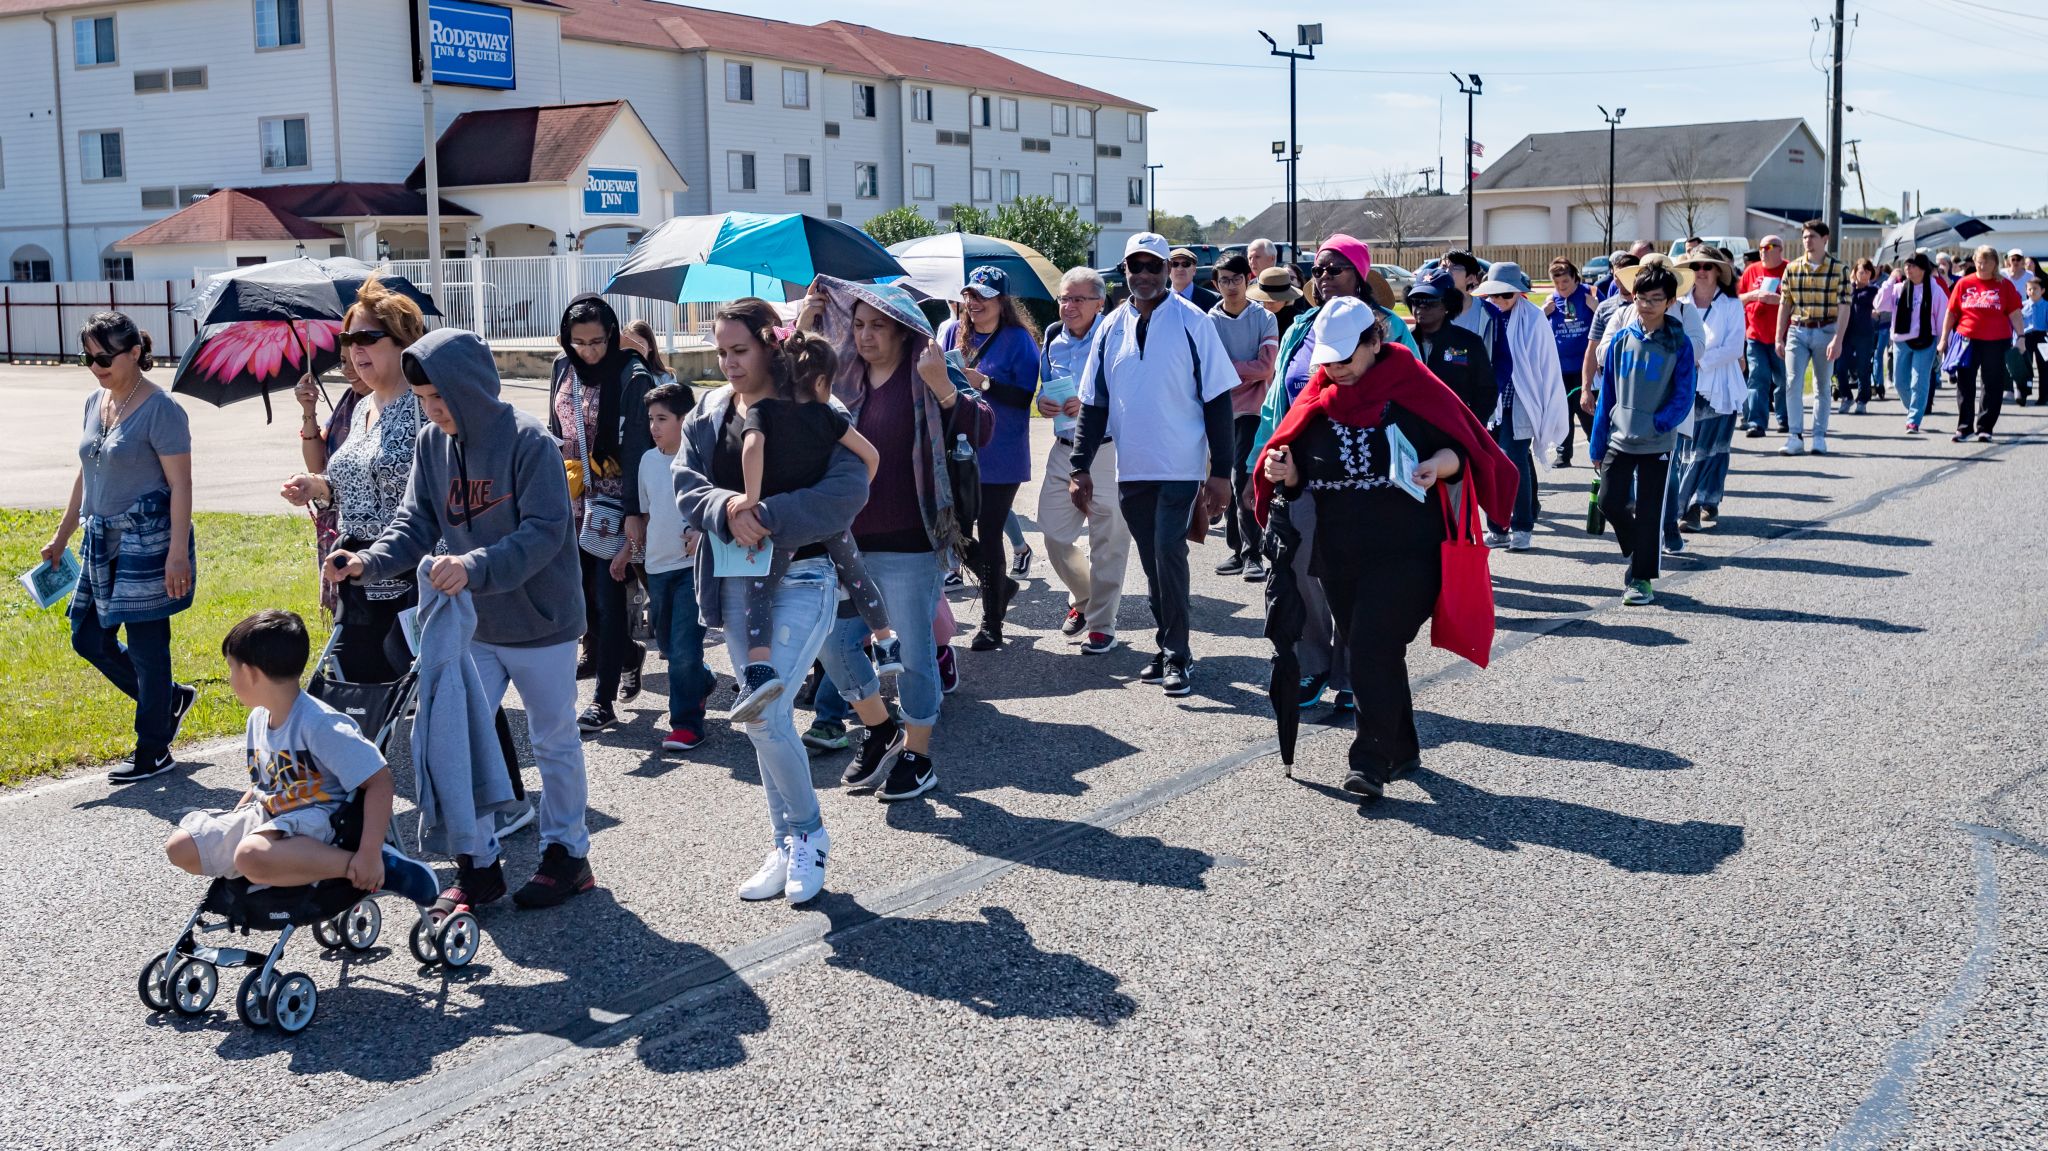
point(607, 376)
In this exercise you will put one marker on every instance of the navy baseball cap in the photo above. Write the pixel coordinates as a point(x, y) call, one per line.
point(987, 282)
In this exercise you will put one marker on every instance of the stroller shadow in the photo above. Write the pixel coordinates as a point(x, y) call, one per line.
point(1544, 743)
point(990, 966)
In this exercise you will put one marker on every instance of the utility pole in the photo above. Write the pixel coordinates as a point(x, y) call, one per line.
point(1305, 36)
point(1856, 166)
point(1152, 217)
point(1613, 122)
point(1470, 93)
point(1425, 173)
point(1834, 209)
point(424, 31)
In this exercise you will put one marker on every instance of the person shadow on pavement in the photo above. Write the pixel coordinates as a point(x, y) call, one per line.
point(1067, 846)
point(991, 967)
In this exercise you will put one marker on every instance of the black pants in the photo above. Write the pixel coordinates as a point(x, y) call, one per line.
point(369, 645)
point(1635, 520)
point(991, 560)
point(609, 637)
point(1580, 418)
point(1240, 527)
point(1379, 612)
point(1159, 515)
point(1987, 365)
point(2031, 345)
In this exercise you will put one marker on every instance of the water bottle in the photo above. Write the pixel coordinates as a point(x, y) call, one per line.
point(962, 450)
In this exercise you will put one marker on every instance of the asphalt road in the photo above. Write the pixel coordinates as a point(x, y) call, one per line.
point(1758, 866)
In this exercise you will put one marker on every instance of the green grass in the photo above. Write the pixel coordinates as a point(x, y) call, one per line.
point(60, 712)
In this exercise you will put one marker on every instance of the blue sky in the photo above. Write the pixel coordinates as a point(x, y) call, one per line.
point(1973, 67)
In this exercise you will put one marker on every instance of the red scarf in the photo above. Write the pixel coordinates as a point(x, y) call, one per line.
point(1397, 376)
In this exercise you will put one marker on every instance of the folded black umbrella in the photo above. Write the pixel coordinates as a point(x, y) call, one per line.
point(1286, 615)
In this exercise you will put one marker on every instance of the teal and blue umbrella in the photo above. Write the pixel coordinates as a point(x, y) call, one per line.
point(939, 265)
point(732, 254)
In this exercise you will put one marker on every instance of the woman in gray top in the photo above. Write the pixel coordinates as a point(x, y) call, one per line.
point(133, 496)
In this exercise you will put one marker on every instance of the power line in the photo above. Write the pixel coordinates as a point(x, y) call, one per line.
point(2003, 11)
point(1580, 72)
point(2012, 92)
point(1945, 132)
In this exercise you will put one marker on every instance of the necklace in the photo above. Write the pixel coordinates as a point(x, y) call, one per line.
point(107, 427)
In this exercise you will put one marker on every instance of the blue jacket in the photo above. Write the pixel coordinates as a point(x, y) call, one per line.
point(455, 753)
point(1650, 379)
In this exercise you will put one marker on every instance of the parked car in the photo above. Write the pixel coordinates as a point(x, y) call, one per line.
point(1736, 244)
point(1398, 278)
point(1596, 270)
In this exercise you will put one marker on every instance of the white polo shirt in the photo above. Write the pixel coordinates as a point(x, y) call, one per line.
point(1156, 393)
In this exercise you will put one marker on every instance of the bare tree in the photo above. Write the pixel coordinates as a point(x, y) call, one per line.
point(1391, 206)
point(1592, 199)
point(1686, 177)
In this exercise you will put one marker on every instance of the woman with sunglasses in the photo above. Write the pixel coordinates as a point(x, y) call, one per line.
point(133, 496)
point(365, 480)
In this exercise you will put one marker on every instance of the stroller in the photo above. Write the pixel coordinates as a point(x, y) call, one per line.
point(186, 977)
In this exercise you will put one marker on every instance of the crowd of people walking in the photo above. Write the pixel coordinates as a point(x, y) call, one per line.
point(856, 457)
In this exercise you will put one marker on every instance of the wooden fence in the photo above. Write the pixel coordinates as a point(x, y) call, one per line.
point(1535, 258)
point(39, 322)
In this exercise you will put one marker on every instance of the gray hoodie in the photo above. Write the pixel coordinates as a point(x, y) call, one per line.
point(496, 493)
point(454, 742)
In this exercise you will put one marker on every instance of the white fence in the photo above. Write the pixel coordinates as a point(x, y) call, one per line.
point(39, 322)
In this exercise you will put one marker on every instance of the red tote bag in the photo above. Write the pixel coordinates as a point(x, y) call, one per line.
point(1463, 622)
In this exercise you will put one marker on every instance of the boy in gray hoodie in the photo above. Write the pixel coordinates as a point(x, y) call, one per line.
point(487, 480)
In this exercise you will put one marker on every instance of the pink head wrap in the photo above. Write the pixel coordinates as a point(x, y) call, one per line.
point(1352, 249)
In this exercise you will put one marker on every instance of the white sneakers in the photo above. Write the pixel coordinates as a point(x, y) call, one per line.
point(1793, 447)
point(1521, 541)
point(806, 865)
point(794, 871)
point(768, 882)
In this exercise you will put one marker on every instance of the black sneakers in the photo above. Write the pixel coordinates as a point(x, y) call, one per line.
point(877, 759)
point(759, 687)
point(912, 776)
point(183, 696)
point(986, 638)
point(1362, 784)
point(560, 877)
point(629, 675)
point(598, 716)
point(1154, 671)
point(1175, 681)
point(141, 765)
point(473, 887)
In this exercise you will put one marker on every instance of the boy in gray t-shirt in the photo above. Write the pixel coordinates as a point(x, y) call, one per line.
point(305, 761)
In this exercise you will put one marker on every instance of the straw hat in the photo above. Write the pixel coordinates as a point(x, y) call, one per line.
point(1274, 286)
point(1705, 256)
point(1382, 292)
point(1626, 277)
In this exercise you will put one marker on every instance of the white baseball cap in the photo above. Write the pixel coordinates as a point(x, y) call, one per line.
point(1339, 327)
point(1146, 243)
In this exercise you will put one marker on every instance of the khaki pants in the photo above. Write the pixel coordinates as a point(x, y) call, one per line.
point(1094, 578)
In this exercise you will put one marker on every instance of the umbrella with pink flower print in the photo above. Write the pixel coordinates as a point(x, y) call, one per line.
point(248, 358)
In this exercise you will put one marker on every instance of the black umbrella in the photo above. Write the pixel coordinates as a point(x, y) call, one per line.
point(290, 292)
point(1286, 615)
point(1933, 230)
point(244, 360)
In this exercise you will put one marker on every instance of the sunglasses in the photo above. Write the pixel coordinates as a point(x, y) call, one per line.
point(1329, 269)
point(1144, 264)
point(365, 338)
point(1180, 263)
point(89, 360)
point(601, 343)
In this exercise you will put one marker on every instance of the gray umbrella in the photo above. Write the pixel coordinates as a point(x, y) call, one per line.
point(1933, 230)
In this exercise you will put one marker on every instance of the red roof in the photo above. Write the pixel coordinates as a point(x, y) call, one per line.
point(228, 217)
point(851, 48)
point(518, 145)
point(350, 200)
point(30, 7)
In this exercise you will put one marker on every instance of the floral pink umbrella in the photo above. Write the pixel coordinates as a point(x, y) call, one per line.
point(249, 358)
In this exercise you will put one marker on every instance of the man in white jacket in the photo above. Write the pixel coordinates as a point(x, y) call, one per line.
point(1530, 421)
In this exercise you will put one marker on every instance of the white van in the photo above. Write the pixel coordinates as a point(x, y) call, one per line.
point(1736, 245)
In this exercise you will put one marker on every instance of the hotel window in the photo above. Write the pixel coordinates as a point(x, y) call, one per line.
point(92, 41)
point(922, 179)
point(284, 144)
point(796, 88)
point(1012, 184)
point(99, 156)
point(739, 171)
point(1062, 188)
point(796, 174)
point(159, 199)
point(739, 82)
point(864, 101)
point(277, 24)
point(867, 182)
point(1059, 119)
point(1134, 127)
point(1137, 192)
point(921, 104)
point(1084, 122)
point(980, 189)
point(1084, 189)
point(978, 111)
point(1007, 109)
point(117, 267)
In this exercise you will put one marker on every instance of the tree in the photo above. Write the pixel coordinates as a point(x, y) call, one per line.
point(1180, 229)
point(899, 224)
point(1592, 199)
point(1686, 177)
point(1882, 215)
point(968, 218)
point(1057, 231)
point(1394, 213)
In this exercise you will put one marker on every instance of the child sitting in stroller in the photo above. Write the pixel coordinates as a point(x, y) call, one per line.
point(305, 760)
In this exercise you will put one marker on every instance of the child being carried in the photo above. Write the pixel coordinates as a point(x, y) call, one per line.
point(786, 445)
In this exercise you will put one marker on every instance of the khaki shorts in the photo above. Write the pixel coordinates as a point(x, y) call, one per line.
point(218, 833)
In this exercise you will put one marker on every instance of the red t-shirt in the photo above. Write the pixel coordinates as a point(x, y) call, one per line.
point(1760, 320)
point(1982, 310)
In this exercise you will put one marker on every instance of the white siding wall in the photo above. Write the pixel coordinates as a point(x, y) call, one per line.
point(768, 130)
point(665, 88)
point(29, 212)
point(861, 141)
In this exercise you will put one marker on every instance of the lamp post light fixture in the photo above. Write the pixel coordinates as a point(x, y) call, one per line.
point(302, 249)
point(1306, 36)
point(383, 250)
point(1613, 122)
point(1470, 93)
point(1152, 205)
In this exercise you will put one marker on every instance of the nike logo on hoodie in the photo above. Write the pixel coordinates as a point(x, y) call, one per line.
point(467, 505)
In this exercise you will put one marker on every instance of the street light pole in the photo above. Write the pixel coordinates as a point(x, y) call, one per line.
point(1470, 93)
point(1306, 36)
point(1613, 121)
point(1152, 218)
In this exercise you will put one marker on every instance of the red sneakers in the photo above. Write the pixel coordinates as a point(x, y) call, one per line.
point(681, 739)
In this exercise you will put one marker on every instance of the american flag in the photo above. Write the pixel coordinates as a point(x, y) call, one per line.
point(1475, 146)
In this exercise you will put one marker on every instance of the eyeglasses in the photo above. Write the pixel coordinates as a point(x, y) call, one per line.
point(1329, 269)
point(1144, 265)
point(365, 338)
point(1180, 263)
point(1653, 299)
point(591, 344)
point(1077, 299)
point(1228, 280)
point(89, 360)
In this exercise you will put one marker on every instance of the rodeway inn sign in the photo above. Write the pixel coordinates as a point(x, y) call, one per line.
point(611, 192)
point(472, 44)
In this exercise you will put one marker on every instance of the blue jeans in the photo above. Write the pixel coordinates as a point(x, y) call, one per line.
point(1809, 346)
point(672, 598)
point(1519, 454)
point(140, 670)
point(1913, 372)
point(546, 679)
point(1766, 383)
point(911, 583)
point(804, 605)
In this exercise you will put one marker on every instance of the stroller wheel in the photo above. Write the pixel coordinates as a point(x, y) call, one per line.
point(425, 941)
point(252, 1002)
point(361, 924)
point(459, 939)
point(192, 986)
point(153, 985)
point(327, 932)
point(292, 1002)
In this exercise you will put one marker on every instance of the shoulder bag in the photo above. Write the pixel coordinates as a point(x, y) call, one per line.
point(1462, 623)
point(604, 517)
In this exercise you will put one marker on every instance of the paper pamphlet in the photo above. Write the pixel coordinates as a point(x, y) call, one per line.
point(1402, 462)
point(48, 583)
point(730, 559)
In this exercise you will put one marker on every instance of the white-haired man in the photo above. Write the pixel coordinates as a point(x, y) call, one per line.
point(1094, 581)
point(1263, 254)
